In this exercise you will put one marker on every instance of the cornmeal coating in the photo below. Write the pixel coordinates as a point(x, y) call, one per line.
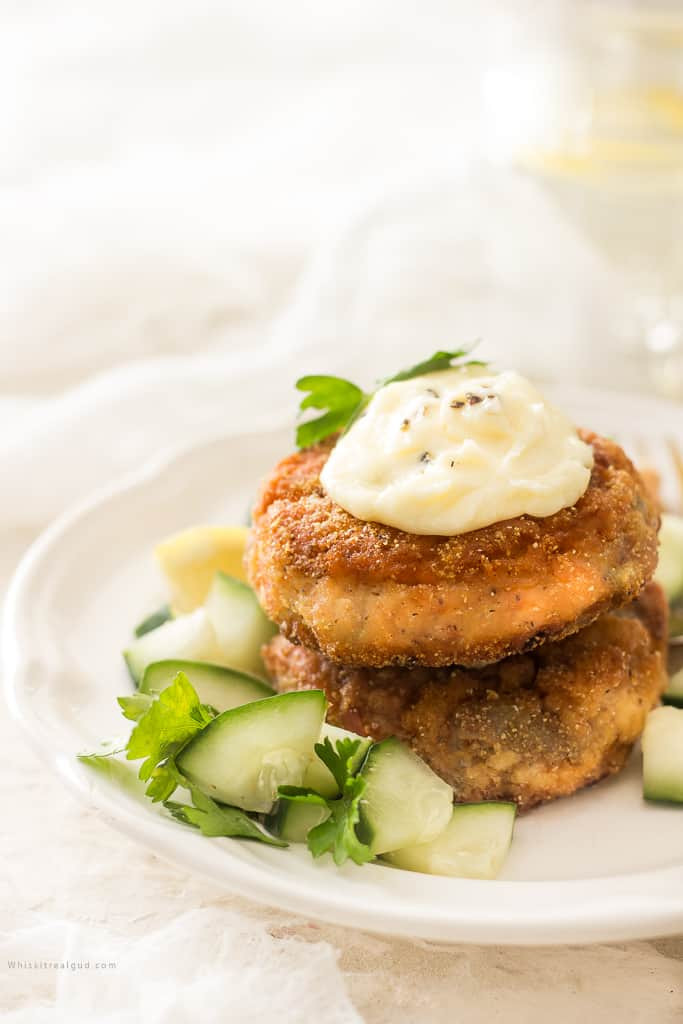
point(367, 594)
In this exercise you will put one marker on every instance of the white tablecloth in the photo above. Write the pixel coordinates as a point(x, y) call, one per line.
point(200, 201)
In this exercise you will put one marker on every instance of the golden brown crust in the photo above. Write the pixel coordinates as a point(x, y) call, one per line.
point(369, 594)
point(531, 728)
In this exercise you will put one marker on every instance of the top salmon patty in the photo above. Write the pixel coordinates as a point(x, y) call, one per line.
point(370, 595)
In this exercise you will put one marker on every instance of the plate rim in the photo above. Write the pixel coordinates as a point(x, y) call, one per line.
point(623, 908)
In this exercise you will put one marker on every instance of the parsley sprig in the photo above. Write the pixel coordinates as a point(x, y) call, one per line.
point(214, 819)
point(337, 833)
point(341, 402)
point(168, 724)
point(164, 725)
point(341, 399)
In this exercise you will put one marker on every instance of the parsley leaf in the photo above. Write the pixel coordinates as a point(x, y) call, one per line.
point(339, 397)
point(134, 707)
point(164, 781)
point(214, 819)
point(165, 724)
point(439, 361)
point(337, 834)
point(338, 758)
point(343, 401)
point(165, 727)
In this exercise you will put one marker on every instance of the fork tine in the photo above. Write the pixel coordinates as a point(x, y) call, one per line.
point(677, 459)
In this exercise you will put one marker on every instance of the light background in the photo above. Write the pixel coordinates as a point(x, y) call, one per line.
point(199, 201)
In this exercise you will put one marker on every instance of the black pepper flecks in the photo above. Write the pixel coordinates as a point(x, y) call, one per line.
point(432, 391)
point(473, 399)
point(457, 404)
point(405, 424)
point(426, 457)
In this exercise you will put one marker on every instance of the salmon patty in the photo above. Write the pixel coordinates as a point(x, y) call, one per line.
point(532, 728)
point(367, 594)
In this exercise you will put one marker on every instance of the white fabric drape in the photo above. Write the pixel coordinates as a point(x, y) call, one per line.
point(199, 202)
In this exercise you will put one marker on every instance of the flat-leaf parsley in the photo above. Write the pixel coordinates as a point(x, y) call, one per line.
point(337, 834)
point(341, 402)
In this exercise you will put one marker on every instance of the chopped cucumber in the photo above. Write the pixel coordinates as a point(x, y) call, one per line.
point(674, 692)
point(153, 621)
point(245, 754)
point(318, 776)
point(663, 755)
point(404, 802)
point(221, 687)
point(240, 623)
point(474, 844)
point(293, 821)
point(189, 636)
point(670, 568)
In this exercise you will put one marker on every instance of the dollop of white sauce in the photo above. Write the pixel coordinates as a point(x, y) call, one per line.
point(454, 451)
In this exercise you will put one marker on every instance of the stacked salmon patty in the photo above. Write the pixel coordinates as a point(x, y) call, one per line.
point(519, 660)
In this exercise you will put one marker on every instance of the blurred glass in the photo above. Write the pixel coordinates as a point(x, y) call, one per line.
point(607, 146)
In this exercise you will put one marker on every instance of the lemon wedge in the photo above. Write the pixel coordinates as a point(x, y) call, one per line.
point(190, 560)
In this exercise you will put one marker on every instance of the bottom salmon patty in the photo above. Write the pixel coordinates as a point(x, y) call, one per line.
point(530, 728)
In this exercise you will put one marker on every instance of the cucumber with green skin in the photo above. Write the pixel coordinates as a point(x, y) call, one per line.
point(188, 637)
point(240, 624)
point(153, 621)
point(670, 567)
point(662, 744)
point(244, 754)
point(293, 821)
point(404, 802)
point(674, 692)
point(474, 844)
point(222, 688)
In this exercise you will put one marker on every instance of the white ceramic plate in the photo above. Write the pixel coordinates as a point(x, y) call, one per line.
point(600, 865)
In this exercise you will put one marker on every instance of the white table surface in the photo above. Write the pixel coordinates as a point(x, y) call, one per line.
point(199, 202)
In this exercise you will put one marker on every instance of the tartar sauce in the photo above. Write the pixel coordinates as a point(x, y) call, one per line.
point(453, 451)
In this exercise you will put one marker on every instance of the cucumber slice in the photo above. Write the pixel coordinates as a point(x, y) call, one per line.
point(670, 568)
point(240, 623)
point(674, 692)
point(188, 636)
point(294, 821)
point(222, 688)
point(153, 621)
point(245, 754)
point(474, 844)
point(663, 755)
point(404, 802)
point(318, 776)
